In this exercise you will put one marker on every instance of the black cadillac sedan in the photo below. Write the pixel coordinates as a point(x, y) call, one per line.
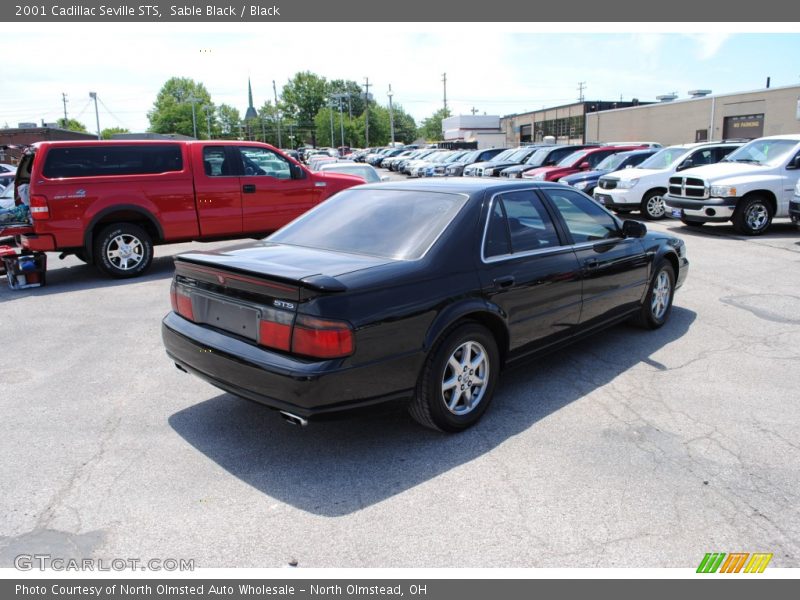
point(414, 291)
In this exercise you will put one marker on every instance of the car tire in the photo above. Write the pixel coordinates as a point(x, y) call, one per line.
point(653, 206)
point(689, 223)
point(657, 304)
point(123, 250)
point(752, 216)
point(445, 402)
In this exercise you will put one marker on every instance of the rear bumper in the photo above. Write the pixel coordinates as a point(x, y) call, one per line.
point(41, 243)
point(307, 389)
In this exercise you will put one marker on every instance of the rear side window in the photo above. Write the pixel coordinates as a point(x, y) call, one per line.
point(94, 161)
point(518, 223)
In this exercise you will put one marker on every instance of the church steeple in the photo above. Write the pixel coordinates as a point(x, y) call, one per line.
point(251, 111)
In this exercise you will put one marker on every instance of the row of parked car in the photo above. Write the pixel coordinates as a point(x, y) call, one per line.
point(748, 183)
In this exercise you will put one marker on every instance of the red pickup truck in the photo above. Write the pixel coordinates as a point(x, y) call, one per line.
point(110, 202)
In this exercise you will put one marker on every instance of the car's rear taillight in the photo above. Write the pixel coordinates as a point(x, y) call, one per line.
point(322, 338)
point(39, 209)
point(275, 329)
point(305, 336)
point(181, 302)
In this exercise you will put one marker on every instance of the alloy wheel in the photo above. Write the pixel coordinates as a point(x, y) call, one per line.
point(465, 378)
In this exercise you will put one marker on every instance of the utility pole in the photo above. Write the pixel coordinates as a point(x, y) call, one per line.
point(391, 112)
point(474, 111)
point(444, 83)
point(93, 96)
point(64, 100)
point(277, 112)
point(193, 100)
point(207, 109)
point(581, 87)
point(366, 111)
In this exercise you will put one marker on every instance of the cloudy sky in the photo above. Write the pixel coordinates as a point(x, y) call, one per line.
point(496, 69)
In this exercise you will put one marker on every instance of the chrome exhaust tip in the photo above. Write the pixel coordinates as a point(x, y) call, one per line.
point(293, 419)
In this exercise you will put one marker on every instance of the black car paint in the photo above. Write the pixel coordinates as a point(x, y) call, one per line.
point(398, 309)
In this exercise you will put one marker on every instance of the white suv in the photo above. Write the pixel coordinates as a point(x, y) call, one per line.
point(643, 187)
point(750, 187)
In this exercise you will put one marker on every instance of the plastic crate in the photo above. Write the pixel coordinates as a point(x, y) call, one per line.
point(26, 270)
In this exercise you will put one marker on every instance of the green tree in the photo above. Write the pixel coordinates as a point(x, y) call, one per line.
point(72, 125)
point(172, 110)
point(229, 120)
point(431, 128)
point(303, 96)
point(109, 131)
point(405, 128)
point(352, 96)
point(266, 128)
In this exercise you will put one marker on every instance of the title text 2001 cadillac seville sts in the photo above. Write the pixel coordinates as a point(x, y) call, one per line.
point(418, 291)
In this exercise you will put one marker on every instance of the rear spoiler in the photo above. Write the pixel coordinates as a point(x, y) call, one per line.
point(279, 286)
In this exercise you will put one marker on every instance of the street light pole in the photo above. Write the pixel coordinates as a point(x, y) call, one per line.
point(391, 112)
point(330, 112)
point(341, 120)
point(93, 96)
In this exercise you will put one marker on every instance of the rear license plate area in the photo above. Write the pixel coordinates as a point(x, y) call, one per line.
point(229, 316)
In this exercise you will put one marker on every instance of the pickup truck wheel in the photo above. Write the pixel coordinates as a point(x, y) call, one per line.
point(653, 206)
point(123, 250)
point(752, 217)
point(657, 303)
point(458, 380)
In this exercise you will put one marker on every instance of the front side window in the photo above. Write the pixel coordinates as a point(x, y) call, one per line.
point(261, 162)
point(585, 220)
point(702, 157)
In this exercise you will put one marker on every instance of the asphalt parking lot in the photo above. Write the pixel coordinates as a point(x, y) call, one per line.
point(630, 449)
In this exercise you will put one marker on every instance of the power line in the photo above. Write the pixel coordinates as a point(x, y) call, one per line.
point(103, 104)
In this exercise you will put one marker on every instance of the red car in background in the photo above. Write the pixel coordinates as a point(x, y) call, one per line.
point(580, 160)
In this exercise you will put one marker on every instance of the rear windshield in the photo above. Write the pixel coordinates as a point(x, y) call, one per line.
point(93, 161)
point(393, 224)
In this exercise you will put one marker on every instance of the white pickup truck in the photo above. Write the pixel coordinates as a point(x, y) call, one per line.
point(749, 187)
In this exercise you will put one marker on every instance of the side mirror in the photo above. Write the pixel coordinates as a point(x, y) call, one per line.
point(795, 163)
point(585, 166)
point(633, 229)
point(687, 164)
point(297, 171)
